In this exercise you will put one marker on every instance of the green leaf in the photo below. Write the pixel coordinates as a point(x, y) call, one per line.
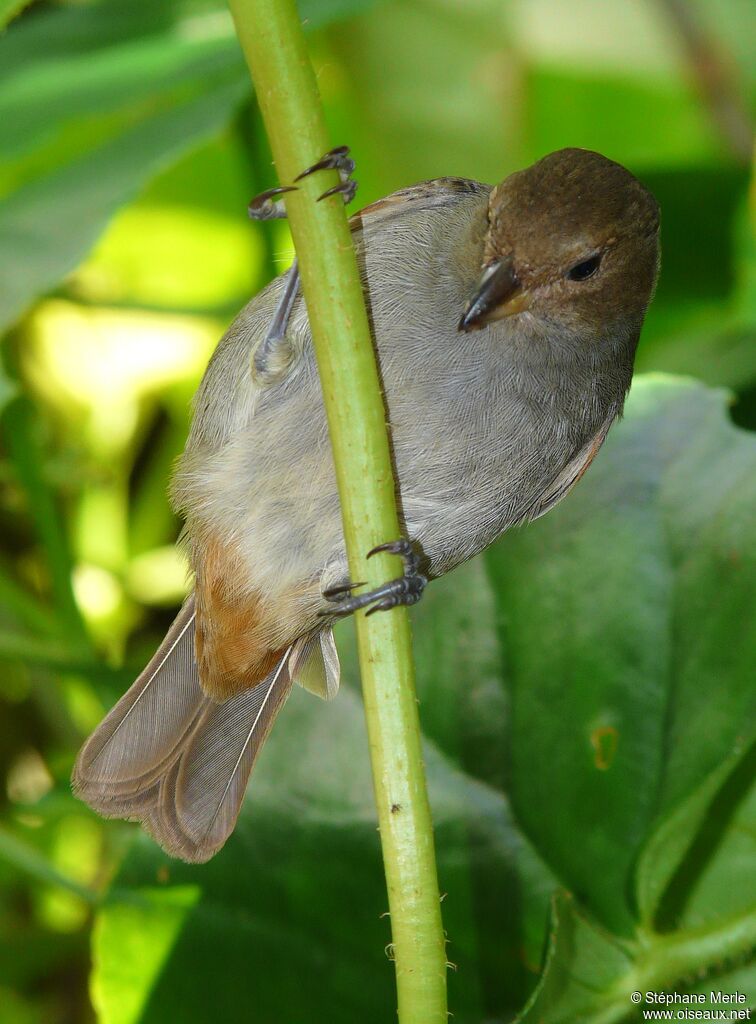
point(714, 880)
point(51, 223)
point(44, 94)
point(591, 978)
point(667, 846)
point(20, 606)
point(446, 119)
point(583, 964)
point(95, 100)
point(630, 633)
point(29, 860)
point(121, 992)
point(9, 9)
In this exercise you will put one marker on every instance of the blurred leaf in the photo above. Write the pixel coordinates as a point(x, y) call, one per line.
point(50, 224)
point(636, 40)
point(745, 248)
point(151, 522)
point(16, 602)
point(701, 321)
point(17, 1010)
point(637, 122)
point(704, 340)
point(630, 628)
point(8, 388)
point(34, 650)
point(9, 9)
point(316, 13)
point(75, 61)
point(120, 995)
point(95, 101)
point(31, 958)
point(431, 87)
point(700, 206)
point(30, 860)
point(44, 93)
point(158, 576)
point(418, 88)
point(21, 429)
point(173, 258)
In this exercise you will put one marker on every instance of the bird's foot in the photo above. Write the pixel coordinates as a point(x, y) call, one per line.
point(269, 205)
point(407, 589)
point(273, 352)
point(337, 159)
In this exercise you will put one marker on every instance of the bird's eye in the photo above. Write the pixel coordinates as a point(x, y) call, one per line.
point(582, 271)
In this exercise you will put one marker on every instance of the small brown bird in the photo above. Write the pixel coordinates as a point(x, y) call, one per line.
point(505, 323)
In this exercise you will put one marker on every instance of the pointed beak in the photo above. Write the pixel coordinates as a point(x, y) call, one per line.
point(499, 294)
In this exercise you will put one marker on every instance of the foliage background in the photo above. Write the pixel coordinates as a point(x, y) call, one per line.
point(587, 687)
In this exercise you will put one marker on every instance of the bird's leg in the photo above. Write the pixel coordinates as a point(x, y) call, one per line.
point(269, 205)
point(407, 589)
point(274, 351)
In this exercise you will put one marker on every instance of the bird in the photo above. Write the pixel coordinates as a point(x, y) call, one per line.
point(505, 322)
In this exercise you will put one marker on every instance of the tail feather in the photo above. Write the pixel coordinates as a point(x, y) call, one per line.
point(139, 739)
point(201, 796)
point(174, 759)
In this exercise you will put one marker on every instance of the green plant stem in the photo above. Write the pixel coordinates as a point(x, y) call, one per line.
point(274, 47)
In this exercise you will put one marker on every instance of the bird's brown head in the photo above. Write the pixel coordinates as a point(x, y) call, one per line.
point(572, 240)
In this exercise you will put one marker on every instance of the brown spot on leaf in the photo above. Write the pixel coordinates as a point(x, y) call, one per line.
point(604, 741)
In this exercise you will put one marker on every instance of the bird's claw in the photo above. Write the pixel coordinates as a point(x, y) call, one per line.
point(266, 207)
point(337, 592)
point(347, 188)
point(407, 589)
point(337, 159)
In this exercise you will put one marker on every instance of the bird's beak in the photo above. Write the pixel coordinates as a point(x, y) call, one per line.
point(498, 295)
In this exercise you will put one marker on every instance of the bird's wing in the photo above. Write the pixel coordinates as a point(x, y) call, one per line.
point(423, 196)
point(570, 474)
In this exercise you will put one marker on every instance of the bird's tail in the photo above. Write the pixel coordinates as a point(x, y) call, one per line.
point(172, 758)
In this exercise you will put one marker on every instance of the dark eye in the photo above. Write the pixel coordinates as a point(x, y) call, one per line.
point(582, 271)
